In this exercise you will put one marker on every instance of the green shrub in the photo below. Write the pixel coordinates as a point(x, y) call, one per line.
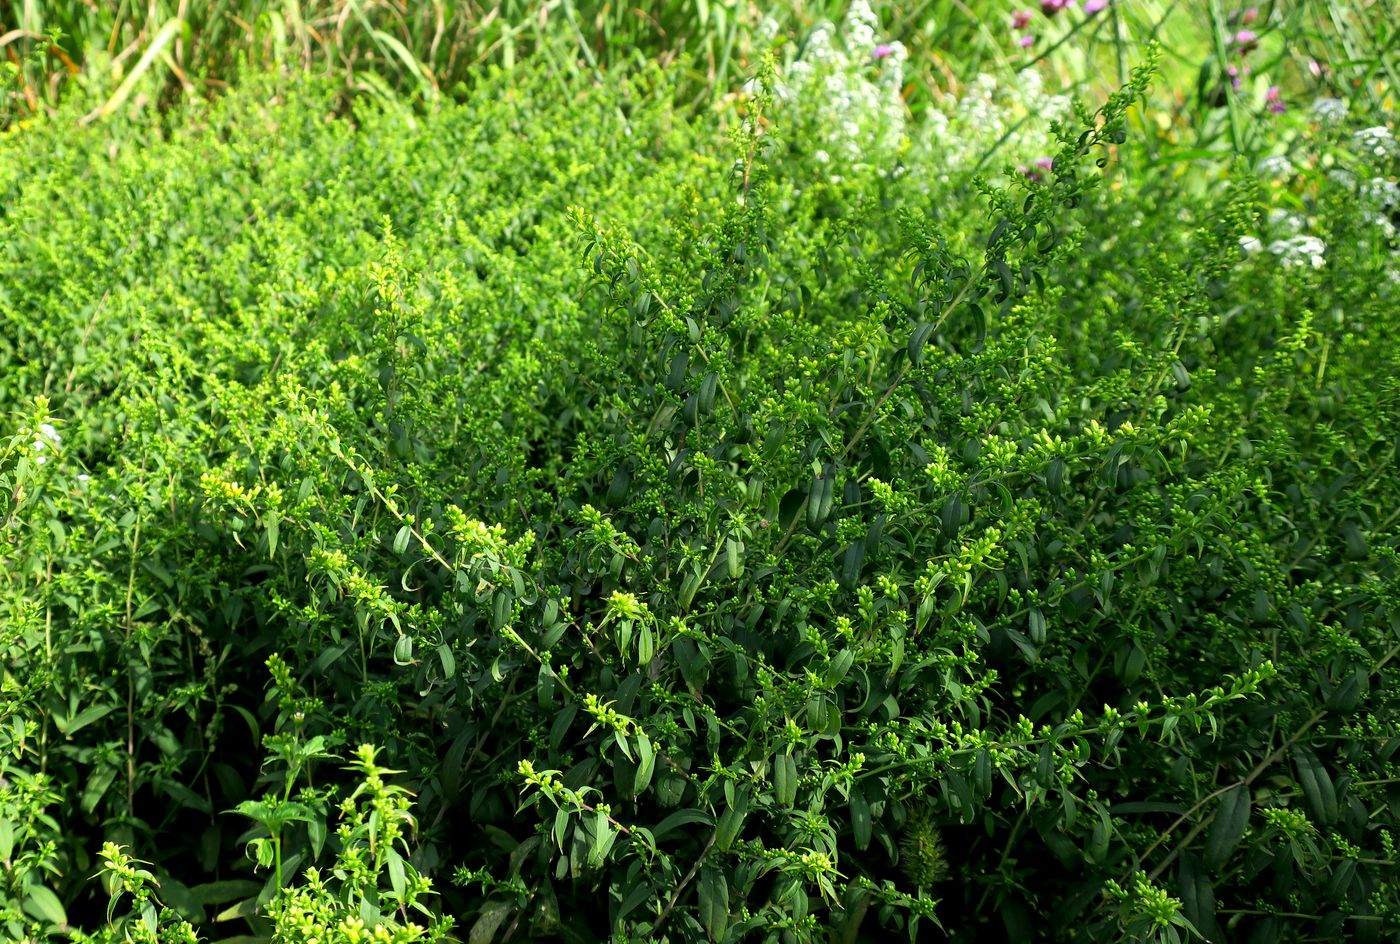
point(718, 548)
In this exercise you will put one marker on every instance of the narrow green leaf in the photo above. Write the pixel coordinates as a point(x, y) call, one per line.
point(917, 341)
point(714, 902)
point(1317, 785)
point(1231, 820)
point(678, 819)
point(641, 892)
point(646, 763)
point(1197, 896)
point(785, 779)
point(862, 825)
point(493, 915)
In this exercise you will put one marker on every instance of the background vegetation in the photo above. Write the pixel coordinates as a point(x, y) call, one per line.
point(662, 473)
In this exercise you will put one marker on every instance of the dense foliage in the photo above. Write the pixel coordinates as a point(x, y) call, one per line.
point(544, 517)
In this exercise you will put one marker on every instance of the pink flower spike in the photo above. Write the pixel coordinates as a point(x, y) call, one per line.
point(1045, 163)
point(1052, 7)
point(1245, 39)
point(1094, 6)
point(1274, 100)
point(1020, 19)
point(1027, 41)
point(1250, 15)
point(883, 50)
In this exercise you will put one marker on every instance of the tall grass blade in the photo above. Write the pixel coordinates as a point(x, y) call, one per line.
point(119, 97)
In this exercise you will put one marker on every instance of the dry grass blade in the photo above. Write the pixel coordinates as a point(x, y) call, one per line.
point(143, 65)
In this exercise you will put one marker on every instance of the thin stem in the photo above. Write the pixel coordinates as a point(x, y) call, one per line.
point(689, 877)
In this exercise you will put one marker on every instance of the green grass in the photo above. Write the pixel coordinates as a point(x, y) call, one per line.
point(424, 50)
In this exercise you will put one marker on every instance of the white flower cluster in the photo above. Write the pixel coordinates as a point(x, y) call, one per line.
point(994, 123)
point(1299, 251)
point(46, 441)
point(1377, 141)
point(1341, 177)
point(1329, 111)
point(1286, 222)
point(844, 91)
point(1276, 167)
point(1291, 252)
point(1380, 193)
point(1379, 198)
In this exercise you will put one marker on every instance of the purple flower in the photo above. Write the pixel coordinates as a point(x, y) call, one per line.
point(883, 50)
point(1037, 167)
point(1027, 41)
point(1020, 19)
point(1250, 15)
point(1052, 7)
point(1236, 74)
point(1245, 39)
point(1094, 6)
point(1273, 100)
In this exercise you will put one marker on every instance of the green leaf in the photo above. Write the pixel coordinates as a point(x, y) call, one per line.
point(1348, 695)
point(398, 880)
point(734, 561)
point(41, 903)
point(1317, 785)
point(1008, 281)
point(604, 836)
point(646, 763)
point(561, 826)
point(917, 340)
point(982, 772)
point(1340, 882)
point(1197, 896)
point(689, 585)
point(1100, 835)
point(678, 819)
point(819, 497)
point(83, 718)
point(218, 893)
point(1036, 620)
point(642, 892)
point(714, 902)
point(493, 914)
point(1231, 820)
point(840, 665)
point(862, 825)
point(316, 834)
point(731, 821)
point(785, 779)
